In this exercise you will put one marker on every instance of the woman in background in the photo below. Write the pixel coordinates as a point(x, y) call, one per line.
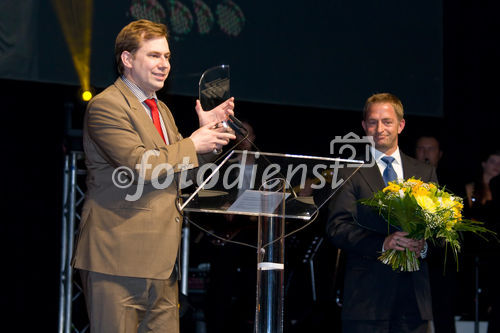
point(481, 256)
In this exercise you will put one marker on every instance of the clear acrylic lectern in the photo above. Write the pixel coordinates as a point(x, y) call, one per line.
point(277, 188)
point(282, 190)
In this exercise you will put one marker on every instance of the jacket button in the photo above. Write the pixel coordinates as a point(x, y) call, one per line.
point(177, 219)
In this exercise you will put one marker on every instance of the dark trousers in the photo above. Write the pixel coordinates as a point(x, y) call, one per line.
point(384, 326)
point(405, 315)
point(443, 289)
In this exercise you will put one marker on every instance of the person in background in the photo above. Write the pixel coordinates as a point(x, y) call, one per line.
point(428, 150)
point(478, 198)
point(442, 280)
point(478, 192)
point(479, 258)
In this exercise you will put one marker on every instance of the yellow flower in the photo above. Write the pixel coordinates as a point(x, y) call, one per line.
point(457, 213)
point(414, 182)
point(426, 203)
point(392, 187)
point(420, 191)
point(446, 202)
point(450, 224)
point(456, 206)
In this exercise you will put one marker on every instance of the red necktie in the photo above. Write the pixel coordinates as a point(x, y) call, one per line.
point(155, 115)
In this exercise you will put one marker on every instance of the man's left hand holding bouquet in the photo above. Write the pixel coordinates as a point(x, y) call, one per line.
point(399, 241)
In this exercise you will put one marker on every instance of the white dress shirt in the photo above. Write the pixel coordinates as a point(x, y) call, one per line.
point(396, 164)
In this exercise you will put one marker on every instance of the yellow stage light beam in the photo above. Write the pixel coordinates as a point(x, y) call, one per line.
point(75, 17)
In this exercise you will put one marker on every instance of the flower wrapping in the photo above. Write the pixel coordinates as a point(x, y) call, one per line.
point(424, 211)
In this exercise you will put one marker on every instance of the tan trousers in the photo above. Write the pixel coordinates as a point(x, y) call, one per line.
point(118, 304)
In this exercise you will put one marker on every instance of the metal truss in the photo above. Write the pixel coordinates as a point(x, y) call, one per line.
point(72, 310)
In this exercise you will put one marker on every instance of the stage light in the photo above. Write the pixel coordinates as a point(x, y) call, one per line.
point(86, 95)
point(75, 17)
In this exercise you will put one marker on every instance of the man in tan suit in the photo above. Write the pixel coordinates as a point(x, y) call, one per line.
point(130, 229)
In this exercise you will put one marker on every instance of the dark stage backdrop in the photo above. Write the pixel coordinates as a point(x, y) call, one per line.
point(34, 127)
point(328, 54)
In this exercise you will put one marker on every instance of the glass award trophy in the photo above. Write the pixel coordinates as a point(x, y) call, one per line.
point(214, 89)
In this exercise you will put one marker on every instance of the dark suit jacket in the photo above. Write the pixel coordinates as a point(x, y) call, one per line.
point(129, 238)
point(369, 285)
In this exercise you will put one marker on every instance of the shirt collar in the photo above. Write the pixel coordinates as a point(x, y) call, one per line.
point(378, 155)
point(141, 96)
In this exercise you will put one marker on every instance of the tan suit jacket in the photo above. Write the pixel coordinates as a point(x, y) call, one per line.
point(129, 238)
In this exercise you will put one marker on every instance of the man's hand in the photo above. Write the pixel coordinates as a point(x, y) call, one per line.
point(210, 137)
point(399, 241)
point(217, 114)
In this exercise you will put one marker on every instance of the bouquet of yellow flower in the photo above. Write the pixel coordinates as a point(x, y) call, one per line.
point(424, 211)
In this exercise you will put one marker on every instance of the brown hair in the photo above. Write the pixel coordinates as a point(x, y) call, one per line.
point(480, 189)
point(130, 37)
point(385, 98)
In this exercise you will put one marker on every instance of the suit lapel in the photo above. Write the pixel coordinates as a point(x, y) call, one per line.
point(138, 109)
point(372, 177)
point(409, 168)
point(168, 124)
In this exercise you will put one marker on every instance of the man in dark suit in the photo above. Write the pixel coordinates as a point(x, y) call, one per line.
point(130, 228)
point(376, 298)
